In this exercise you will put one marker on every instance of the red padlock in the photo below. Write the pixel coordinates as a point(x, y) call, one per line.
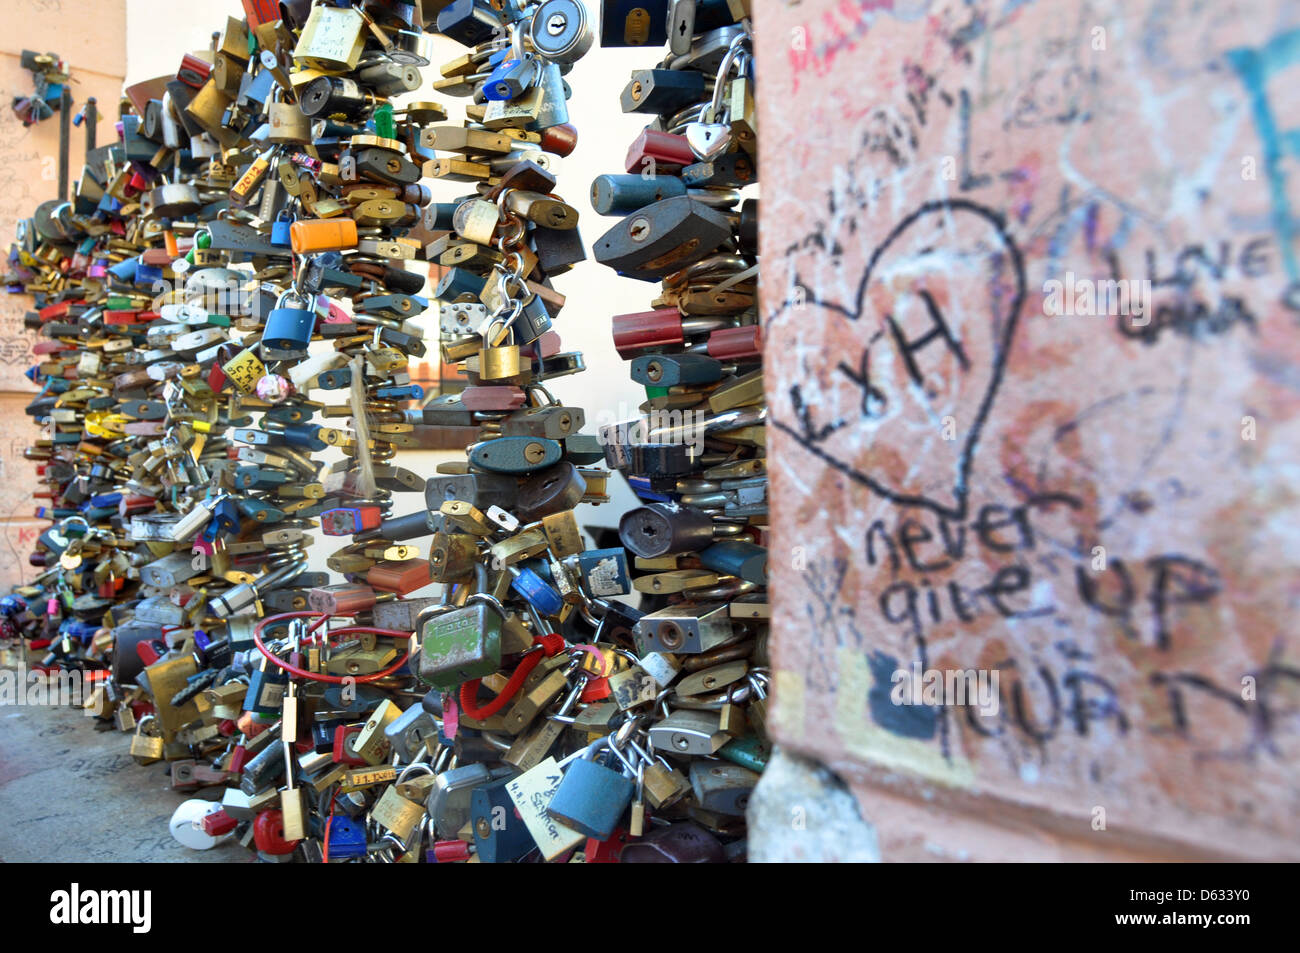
point(501, 397)
point(140, 710)
point(606, 851)
point(647, 329)
point(596, 689)
point(268, 833)
point(548, 345)
point(150, 650)
point(54, 312)
point(342, 752)
point(193, 72)
point(560, 140)
point(218, 823)
point(216, 378)
point(737, 344)
point(657, 153)
point(450, 851)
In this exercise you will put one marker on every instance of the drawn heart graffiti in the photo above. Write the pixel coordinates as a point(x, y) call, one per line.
point(945, 289)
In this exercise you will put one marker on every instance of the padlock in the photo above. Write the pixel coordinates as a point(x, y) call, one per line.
point(461, 644)
point(286, 121)
point(469, 22)
point(510, 78)
point(500, 834)
point(591, 798)
point(289, 328)
point(147, 748)
point(316, 235)
point(662, 238)
point(280, 228)
point(331, 40)
point(633, 23)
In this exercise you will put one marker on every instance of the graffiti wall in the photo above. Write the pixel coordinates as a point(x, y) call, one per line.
point(1035, 284)
point(90, 37)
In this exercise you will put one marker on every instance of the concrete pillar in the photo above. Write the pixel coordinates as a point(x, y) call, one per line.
point(1031, 288)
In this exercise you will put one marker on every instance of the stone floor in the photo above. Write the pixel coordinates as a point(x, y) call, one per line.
point(70, 792)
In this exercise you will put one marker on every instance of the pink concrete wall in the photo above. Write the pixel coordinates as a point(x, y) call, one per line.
point(1101, 507)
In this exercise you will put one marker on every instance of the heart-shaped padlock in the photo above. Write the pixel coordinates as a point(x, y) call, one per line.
point(708, 140)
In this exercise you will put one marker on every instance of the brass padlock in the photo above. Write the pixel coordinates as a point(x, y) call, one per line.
point(499, 363)
point(332, 39)
point(286, 121)
point(147, 748)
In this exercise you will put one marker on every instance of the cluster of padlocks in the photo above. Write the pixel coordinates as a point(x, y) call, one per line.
point(226, 320)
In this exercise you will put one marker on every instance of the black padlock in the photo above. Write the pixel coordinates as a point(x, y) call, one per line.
point(334, 96)
point(384, 166)
point(662, 91)
point(480, 490)
point(411, 526)
point(633, 23)
point(662, 238)
point(675, 370)
point(616, 624)
point(469, 22)
point(663, 529)
point(559, 487)
point(734, 170)
point(662, 460)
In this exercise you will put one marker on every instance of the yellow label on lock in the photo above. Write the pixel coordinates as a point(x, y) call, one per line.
point(245, 370)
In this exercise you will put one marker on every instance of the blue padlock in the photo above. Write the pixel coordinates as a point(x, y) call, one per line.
point(225, 519)
point(499, 832)
point(280, 228)
point(535, 590)
point(604, 572)
point(591, 798)
point(347, 838)
point(289, 329)
point(510, 79)
point(405, 392)
point(306, 436)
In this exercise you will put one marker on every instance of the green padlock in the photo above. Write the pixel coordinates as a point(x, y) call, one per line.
point(460, 644)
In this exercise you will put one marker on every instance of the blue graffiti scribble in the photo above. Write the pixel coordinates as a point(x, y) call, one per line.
point(1255, 67)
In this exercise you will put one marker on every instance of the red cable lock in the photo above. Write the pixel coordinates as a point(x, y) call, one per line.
point(346, 630)
point(550, 644)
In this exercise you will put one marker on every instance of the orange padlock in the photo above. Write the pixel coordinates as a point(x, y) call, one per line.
point(322, 234)
point(400, 575)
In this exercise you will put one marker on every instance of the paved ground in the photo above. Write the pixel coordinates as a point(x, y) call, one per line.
point(71, 793)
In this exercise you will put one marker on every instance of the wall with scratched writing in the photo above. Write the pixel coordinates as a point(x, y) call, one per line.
point(1031, 272)
point(90, 35)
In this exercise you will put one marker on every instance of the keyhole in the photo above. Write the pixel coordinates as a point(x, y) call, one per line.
point(639, 229)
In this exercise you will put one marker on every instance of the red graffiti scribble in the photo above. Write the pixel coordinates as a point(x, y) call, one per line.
point(816, 50)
